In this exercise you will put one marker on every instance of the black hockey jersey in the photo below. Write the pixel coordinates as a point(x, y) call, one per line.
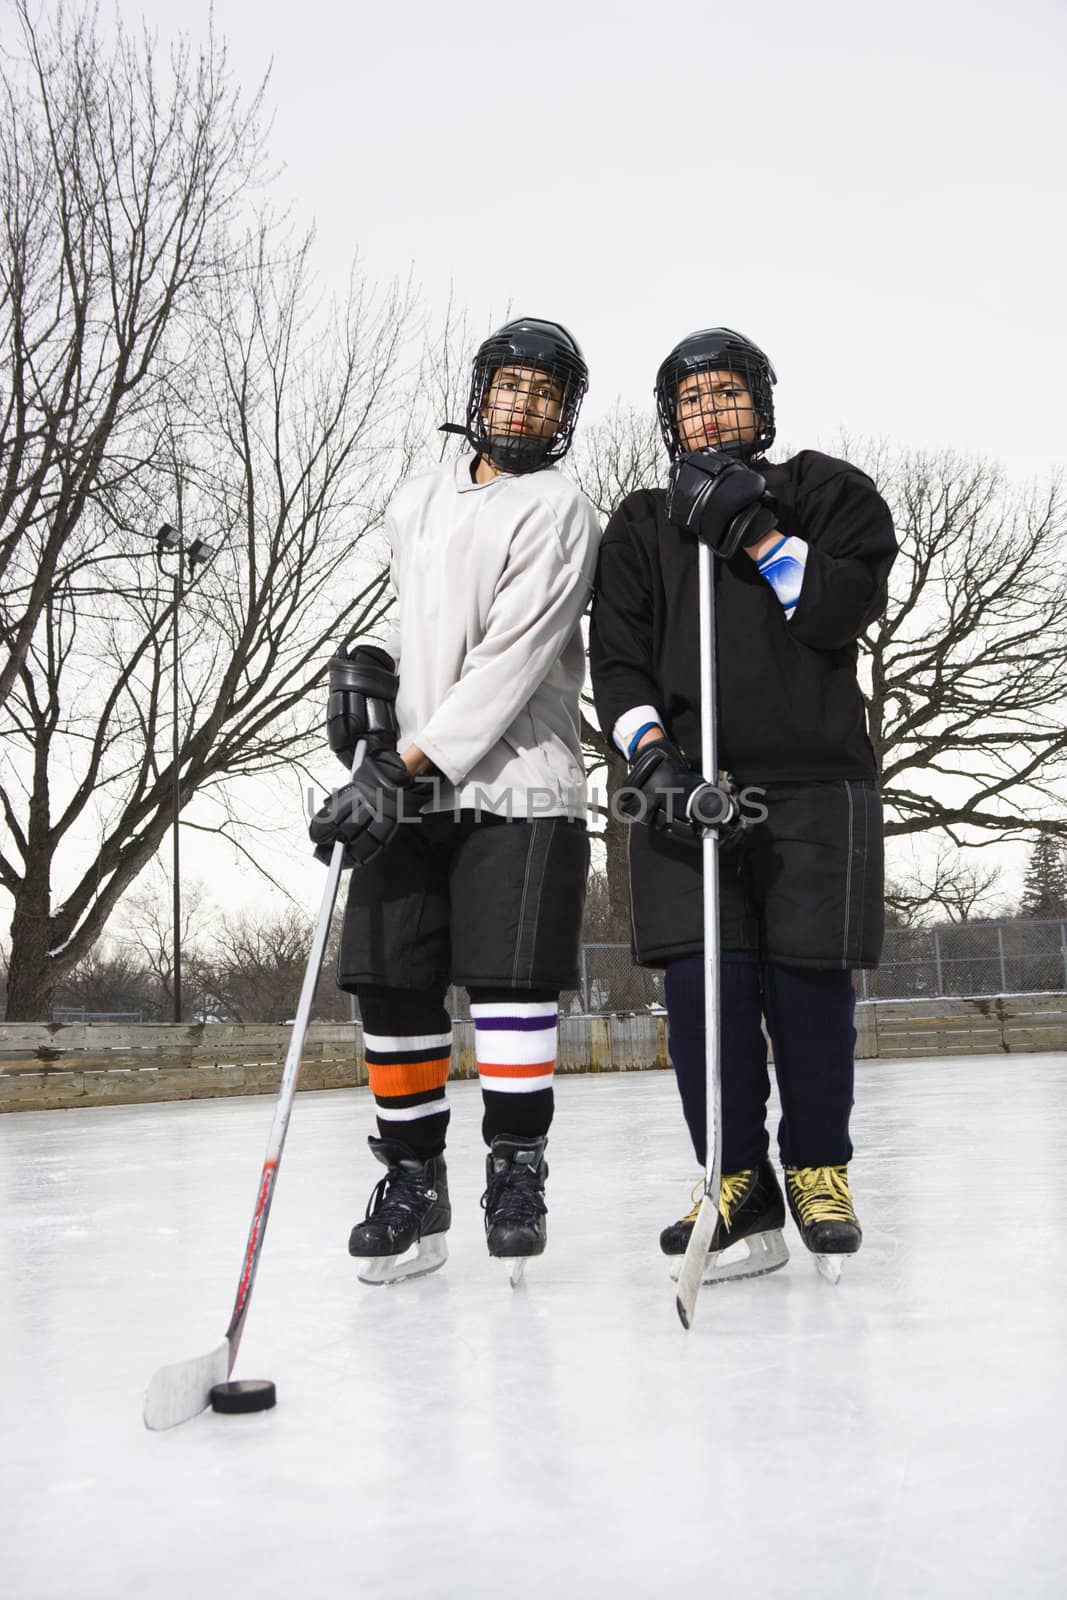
point(790, 706)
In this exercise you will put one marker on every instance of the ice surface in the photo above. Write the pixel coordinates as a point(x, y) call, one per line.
point(900, 1435)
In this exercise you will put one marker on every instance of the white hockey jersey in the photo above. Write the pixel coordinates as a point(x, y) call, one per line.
point(491, 582)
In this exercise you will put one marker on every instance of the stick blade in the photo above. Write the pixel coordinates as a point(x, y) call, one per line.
point(180, 1392)
point(696, 1255)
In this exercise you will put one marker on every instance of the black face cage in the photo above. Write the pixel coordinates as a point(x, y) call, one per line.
point(535, 407)
point(715, 408)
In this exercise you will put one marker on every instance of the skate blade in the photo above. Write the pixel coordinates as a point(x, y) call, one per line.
point(424, 1257)
point(763, 1253)
point(516, 1266)
point(829, 1267)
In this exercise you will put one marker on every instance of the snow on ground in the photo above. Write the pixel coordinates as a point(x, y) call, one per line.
point(900, 1435)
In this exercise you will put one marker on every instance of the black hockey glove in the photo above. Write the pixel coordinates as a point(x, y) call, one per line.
point(664, 792)
point(365, 813)
point(721, 500)
point(361, 703)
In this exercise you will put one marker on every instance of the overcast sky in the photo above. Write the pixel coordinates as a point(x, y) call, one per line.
point(874, 195)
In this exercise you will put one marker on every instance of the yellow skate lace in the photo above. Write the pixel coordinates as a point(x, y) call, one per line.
point(731, 1189)
point(696, 1196)
point(820, 1194)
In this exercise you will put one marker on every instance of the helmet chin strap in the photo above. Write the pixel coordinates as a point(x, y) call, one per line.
point(509, 453)
point(517, 455)
point(737, 448)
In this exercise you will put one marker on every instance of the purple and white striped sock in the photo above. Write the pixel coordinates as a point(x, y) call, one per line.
point(515, 1044)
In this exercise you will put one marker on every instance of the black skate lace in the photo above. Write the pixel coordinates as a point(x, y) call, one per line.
point(396, 1195)
point(514, 1196)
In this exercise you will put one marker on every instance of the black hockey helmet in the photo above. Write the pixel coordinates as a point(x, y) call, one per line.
point(717, 350)
point(527, 344)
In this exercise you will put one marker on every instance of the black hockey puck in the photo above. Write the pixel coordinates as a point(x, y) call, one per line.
point(246, 1394)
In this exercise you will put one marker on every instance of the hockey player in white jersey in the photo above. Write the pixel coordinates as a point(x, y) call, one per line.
point(465, 821)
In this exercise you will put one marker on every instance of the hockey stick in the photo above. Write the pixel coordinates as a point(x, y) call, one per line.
point(704, 1228)
point(180, 1392)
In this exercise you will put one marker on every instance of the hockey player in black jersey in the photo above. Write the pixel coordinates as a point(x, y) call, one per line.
point(803, 549)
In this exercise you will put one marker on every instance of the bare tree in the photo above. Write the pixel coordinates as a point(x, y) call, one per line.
point(953, 888)
point(247, 968)
point(621, 453)
point(440, 393)
point(170, 359)
point(146, 937)
point(119, 175)
point(966, 667)
point(596, 918)
point(253, 967)
point(287, 438)
point(280, 432)
point(109, 978)
point(616, 456)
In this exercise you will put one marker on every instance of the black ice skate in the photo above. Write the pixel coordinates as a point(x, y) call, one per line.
point(752, 1213)
point(408, 1216)
point(822, 1209)
point(514, 1201)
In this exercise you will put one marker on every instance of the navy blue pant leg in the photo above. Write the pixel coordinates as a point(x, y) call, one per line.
point(745, 1083)
point(811, 1020)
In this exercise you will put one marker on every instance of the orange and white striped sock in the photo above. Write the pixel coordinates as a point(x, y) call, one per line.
point(408, 1069)
point(515, 1042)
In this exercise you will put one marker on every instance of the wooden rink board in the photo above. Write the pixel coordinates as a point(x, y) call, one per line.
point(982, 1025)
point(54, 1066)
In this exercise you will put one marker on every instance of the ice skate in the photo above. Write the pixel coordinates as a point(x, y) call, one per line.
point(822, 1209)
point(408, 1216)
point(751, 1213)
point(514, 1202)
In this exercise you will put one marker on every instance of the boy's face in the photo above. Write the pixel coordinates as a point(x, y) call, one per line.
point(523, 400)
point(715, 409)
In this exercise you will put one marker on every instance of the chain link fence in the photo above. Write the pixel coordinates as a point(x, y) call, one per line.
point(608, 982)
point(967, 958)
point(79, 1014)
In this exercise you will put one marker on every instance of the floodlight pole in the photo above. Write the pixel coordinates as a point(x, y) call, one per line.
point(176, 797)
point(171, 541)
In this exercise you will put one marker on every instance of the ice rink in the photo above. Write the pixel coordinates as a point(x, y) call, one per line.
point(900, 1435)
